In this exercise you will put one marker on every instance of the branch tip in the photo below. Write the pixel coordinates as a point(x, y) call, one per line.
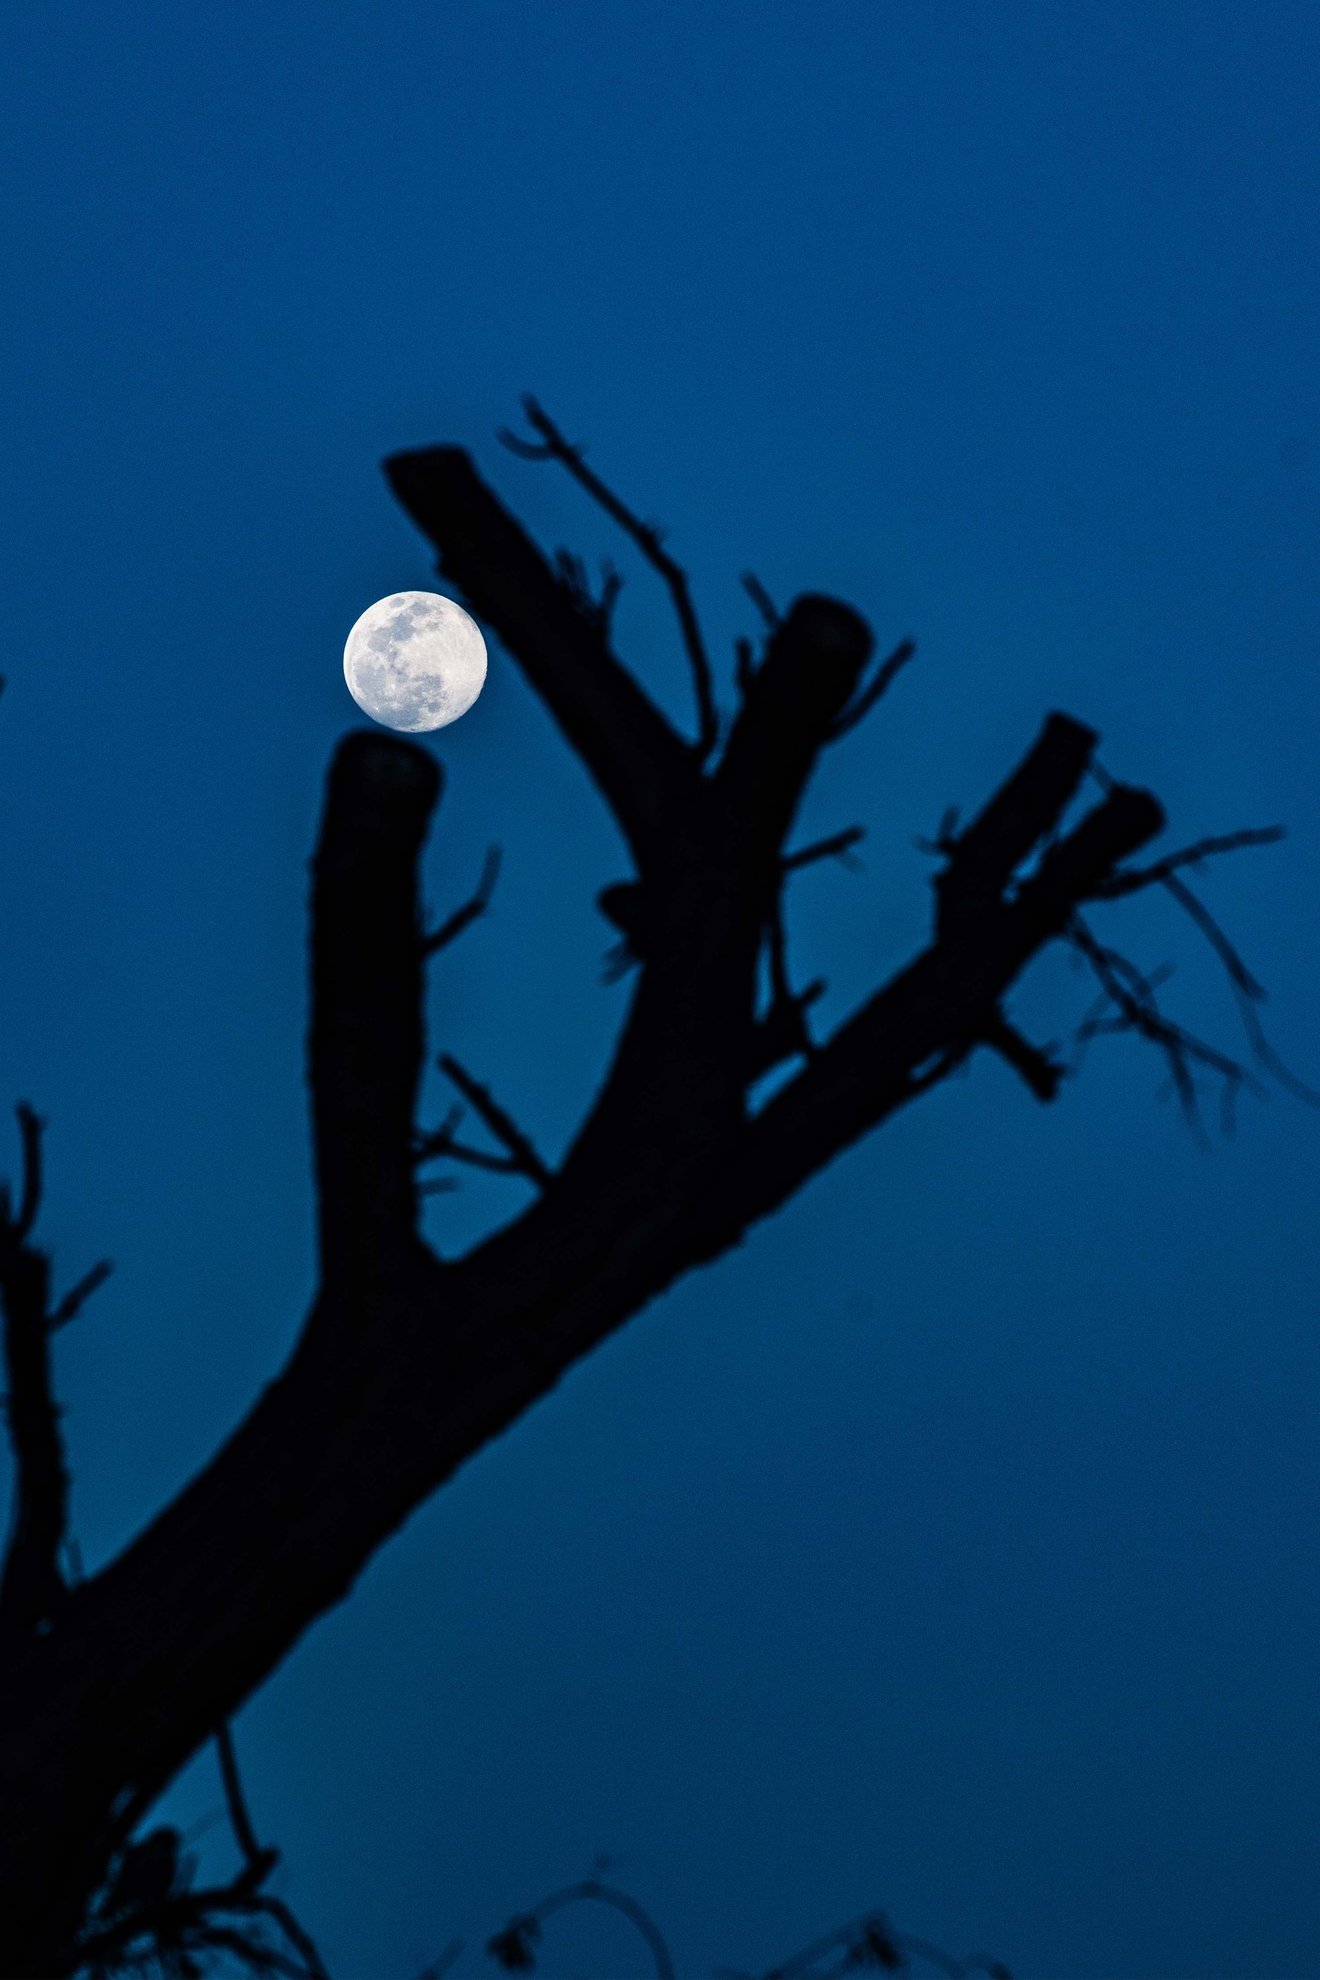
point(649, 539)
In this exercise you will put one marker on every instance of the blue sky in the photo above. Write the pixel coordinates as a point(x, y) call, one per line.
point(953, 1546)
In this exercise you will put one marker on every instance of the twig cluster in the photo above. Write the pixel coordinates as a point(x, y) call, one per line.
point(151, 1919)
point(1129, 1002)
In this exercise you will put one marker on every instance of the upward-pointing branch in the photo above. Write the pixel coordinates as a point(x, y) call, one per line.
point(643, 768)
point(366, 1034)
point(646, 536)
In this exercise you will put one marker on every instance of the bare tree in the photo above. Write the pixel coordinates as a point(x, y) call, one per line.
point(408, 1363)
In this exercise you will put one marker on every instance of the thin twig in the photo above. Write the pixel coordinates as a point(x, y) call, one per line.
point(501, 1124)
point(835, 847)
point(762, 600)
point(442, 1144)
point(511, 1948)
point(260, 1862)
point(30, 1128)
point(77, 1296)
point(1129, 880)
point(872, 1942)
point(1248, 991)
point(1132, 996)
point(647, 538)
point(471, 910)
point(296, 1933)
point(883, 679)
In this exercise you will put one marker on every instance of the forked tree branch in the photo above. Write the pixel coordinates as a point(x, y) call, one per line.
point(520, 1157)
point(409, 1364)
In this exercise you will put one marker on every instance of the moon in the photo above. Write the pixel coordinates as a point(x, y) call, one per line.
point(415, 661)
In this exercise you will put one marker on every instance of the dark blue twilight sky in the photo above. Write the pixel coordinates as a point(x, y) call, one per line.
point(952, 1547)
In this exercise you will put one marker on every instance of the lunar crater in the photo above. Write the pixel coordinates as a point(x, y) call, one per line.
point(415, 661)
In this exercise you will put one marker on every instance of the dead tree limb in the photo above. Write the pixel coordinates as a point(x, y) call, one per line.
point(408, 1364)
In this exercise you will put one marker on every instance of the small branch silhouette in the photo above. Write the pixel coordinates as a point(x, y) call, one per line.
point(647, 537)
point(762, 600)
point(838, 846)
point(1131, 997)
point(885, 676)
point(520, 1157)
point(471, 910)
point(1130, 880)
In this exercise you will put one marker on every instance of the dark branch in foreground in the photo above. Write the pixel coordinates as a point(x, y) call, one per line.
point(409, 1364)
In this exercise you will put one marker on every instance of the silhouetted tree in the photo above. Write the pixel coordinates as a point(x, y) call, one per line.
point(409, 1363)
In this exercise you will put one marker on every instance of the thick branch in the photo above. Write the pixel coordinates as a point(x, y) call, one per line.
point(813, 662)
point(366, 1035)
point(935, 1011)
point(642, 766)
point(984, 858)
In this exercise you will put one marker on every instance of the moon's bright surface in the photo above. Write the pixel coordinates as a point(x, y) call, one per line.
point(415, 661)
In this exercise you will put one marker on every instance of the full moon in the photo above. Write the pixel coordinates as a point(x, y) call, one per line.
point(415, 661)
